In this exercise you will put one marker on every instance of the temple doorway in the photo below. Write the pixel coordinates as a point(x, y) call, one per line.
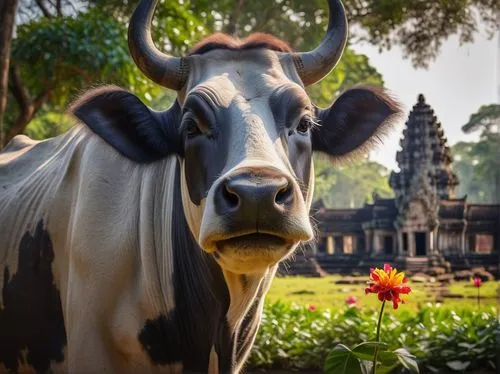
point(322, 246)
point(339, 244)
point(388, 245)
point(420, 245)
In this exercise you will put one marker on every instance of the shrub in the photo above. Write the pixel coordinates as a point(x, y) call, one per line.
point(293, 337)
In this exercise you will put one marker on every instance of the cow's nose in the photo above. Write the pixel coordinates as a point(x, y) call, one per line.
point(254, 195)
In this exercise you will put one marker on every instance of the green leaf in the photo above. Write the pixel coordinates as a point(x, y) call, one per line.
point(342, 361)
point(366, 350)
point(407, 360)
point(388, 358)
point(458, 365)
point(388, 362)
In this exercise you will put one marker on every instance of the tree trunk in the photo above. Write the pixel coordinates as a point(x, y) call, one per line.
point(7, 20)
point(234, 19)
point(28, 106)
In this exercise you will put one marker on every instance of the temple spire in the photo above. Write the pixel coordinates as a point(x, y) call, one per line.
point(424, 147)
point(425, 165)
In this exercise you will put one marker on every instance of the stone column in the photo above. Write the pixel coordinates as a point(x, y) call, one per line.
point(399, 245)
point(435, 242)
point(377, 246)
point(368, 241)
point(429, 243)
point(411, 243)
point(463, 246)
point(330, 245)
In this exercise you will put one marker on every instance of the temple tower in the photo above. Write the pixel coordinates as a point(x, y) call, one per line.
point(425, 177)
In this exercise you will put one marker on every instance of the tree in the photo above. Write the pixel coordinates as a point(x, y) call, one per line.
point(487, 119)
point(54, 56)
point(350, 185)
point(478, 163)
point(478, 167)
point(7, 17)
point(352, 69)
point(419, 27)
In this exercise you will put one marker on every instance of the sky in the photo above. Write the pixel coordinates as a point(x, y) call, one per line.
point(455, 85)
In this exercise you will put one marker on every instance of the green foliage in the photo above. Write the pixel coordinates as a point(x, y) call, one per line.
point(49, 124)
point(175, 26)
point(419, 27)
point(487, 117)
point(343, 360)
point(67, 54)
point(352, 69)
point(292, 337)
point(478, 168)
point(350, 185)
point(64, 55)
point(358, 360)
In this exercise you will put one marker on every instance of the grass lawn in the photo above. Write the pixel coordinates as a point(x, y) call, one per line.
point(324, 293)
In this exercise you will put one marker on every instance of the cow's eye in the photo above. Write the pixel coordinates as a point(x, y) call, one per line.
point(304, 125)
point(192, 128)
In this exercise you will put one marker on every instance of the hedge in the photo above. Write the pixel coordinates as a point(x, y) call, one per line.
point(293, 337)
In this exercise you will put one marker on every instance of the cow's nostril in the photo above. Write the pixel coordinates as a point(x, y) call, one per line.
point(231, 198)
point(284, 194)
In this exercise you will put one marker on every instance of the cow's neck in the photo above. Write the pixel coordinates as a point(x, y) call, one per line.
point(215, 312)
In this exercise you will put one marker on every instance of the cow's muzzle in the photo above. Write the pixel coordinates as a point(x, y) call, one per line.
point(257, 213)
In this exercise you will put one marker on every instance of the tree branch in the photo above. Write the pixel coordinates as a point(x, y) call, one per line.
point(43, 8)
point(232, 26)
point(18, 89)
point(7, 20)
point(27, 106)
point(59, 8)
point(70, 3)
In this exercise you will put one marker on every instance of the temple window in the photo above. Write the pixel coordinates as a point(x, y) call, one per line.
point(348, 244)
point(483, 243)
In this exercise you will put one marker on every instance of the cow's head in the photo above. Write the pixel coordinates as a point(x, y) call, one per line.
point(244, 130)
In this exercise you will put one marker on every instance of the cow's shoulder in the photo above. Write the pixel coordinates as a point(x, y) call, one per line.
point(19, 142)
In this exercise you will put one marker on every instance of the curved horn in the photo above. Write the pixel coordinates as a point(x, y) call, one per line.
point(170, 72)
point(315, 65)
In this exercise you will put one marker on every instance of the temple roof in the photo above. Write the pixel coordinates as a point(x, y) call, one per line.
point(482, 212)
point(452, 209)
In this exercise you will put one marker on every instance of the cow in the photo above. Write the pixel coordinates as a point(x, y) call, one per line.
point(143, 241)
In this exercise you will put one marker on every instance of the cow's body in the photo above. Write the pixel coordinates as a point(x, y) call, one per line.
point(89, 259)
point(146, 241)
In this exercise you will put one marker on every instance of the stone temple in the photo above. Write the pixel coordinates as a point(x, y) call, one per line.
point(425, 224)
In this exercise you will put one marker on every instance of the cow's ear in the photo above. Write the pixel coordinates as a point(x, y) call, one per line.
point(128, 125)
point(354, 121)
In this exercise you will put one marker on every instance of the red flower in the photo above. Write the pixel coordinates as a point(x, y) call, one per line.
point(477, 282)
point(388, 284)
point(312, 308)
point(351, 300)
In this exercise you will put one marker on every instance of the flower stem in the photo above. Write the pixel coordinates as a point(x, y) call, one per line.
point(478, 300)
point(377, 338)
